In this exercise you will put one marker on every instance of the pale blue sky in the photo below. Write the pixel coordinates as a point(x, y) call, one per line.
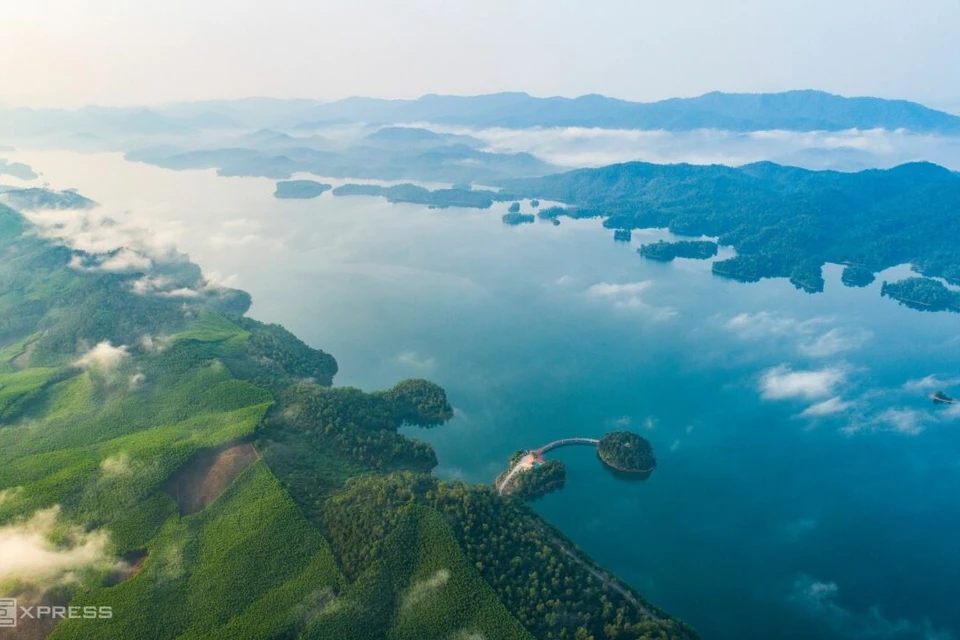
point(73, 52)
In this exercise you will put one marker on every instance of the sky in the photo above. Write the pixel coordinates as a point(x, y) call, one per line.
point(68, 53)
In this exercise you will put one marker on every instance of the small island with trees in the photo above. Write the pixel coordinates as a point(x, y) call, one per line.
point(923, 294)
point(855, 275)
point(939, 397)
point(300, 189)
point(513, 218)
point(663, 251)
point(627, 452)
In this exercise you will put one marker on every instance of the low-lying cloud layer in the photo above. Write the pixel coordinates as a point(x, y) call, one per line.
point(28, 556)
point(849, 150)
point(104, 357)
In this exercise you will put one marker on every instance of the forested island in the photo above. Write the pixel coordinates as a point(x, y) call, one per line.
point(857, 276)
point(782, 221)
point(439, 198)
point(185, 453)
point(513, 218)
point(301, 189)
point(924, 294)
point(627, 452)
point(666, 251)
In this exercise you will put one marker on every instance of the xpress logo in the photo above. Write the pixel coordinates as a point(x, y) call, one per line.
point(8, 613)
point(11, 613)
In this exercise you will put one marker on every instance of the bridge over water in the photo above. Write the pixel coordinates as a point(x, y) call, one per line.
point(529, 459)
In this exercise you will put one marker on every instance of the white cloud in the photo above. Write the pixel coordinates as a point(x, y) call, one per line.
point(811, 338)
point(136, 380)
point(183, 292)
point(423, 589)
point(629, 295)
point(155, 344)
point(103, 356)
point(781, 383)
point(818, 599)
point(930, 383)
point(28, 555)
point(900, 420)
point(149, 284)
point(851, 149)
point(126, 260)
point(416, 361)
point(908, 421)
point(829, 407)
point(835, 341)
point(118, 465)
point(764, 324)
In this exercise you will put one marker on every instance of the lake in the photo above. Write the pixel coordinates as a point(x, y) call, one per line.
point(806, 486)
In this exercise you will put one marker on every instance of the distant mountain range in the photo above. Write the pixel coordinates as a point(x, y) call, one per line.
point(792, 110)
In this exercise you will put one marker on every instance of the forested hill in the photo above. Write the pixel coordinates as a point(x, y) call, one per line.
point(792, 110)
point(783, 221)
point(195, 470)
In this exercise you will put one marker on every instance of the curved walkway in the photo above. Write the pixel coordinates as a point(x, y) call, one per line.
point(527, 460)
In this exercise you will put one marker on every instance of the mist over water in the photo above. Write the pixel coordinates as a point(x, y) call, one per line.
point(806, 487)
point(850, 150)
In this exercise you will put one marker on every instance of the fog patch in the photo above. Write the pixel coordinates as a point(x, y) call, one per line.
point(104, 356)
point(930, 383)
point(118, 465)
point(906, 421)
point(829, 407)
point(415, 360)
point(849, 150)
point(812, 337)
point(28, 555)
point(424, 589)
point(629, 295)
point(781, 383)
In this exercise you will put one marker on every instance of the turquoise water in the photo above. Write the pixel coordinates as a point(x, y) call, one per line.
point(757, 523)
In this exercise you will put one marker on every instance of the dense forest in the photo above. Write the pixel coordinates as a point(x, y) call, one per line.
point(204, 458)
point(783, 221)
point(537, 482)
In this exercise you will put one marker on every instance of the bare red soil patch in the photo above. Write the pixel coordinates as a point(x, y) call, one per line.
point(208, 474)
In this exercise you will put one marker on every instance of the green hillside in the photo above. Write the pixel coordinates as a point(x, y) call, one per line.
point(194, 470)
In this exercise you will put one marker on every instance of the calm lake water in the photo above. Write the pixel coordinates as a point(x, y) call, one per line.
point(758, 523)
